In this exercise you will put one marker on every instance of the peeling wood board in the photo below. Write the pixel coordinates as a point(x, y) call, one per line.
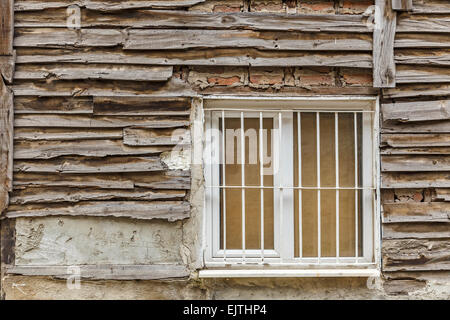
point(417, 90)
point(415, 180)
point(53, 105)
point(431, 6)
point(384, 74)
point(430, 230)
point(402, 140)
point(408, 23)
point(421, 40)
point(6, 144)
point(402, 5)
point(413, 163)
point(442, 126)
point(137, 106)
point(67, 134)
point(107, 272)
point(416, 110)
point(147, 210)
point(416, 212)
point(422, 74)
point(7, 66)
point(423, 57)
point(150, 137)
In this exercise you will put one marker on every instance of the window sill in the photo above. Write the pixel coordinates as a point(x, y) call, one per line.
point(290, 273)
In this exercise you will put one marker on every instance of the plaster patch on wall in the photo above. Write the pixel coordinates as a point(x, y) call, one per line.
point(177, 159)
point(87, 240)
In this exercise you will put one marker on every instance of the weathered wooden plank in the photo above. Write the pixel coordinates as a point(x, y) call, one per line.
point(61, 194)
point(7, 244)
point(93, 72)
point(411, 151)
point(431, 6)
point(416, 110)
point(150, 137)
point(423, 23)
point(34, 5)
point(6, 143)
point(106, 272)
point(405, 140)
point(442, 194)
point(7, 66)
point(200, 20)
point(53, 105)
point(422, 74)
point(63, 134)
point(214, 57)
point(402, 5)
point(423, 57)
point(416, 212)
point(147, 210)
point(91, 165)
point(137, 106)
point(154, 180)
point(71, 88)
point(416, 127)
point(384, 73)
point(6, 27)
point(415, 180)
point(176, 39)
point(89, 148)
point(415, 163)
point(421, 40)
point(429, 230)
point(417, 255)
point(83, 121)
point(417, 90)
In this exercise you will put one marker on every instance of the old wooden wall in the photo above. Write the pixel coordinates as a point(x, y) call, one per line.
point(415, 143)
point(103, 91)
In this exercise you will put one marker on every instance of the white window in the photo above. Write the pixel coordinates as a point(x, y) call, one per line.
point(291, 183)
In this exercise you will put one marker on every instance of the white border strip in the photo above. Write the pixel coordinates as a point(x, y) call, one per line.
point(277, 273)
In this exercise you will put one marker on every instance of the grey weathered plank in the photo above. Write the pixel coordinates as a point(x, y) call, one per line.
point(91, 165)
point(215, 57)
point(416, 110)
point(173, 39)
point(417, 255)
point(402, 5)
point(416, 127)
point(7, 66)
point(83, 121)
point(106, 272)
point(170, 210)
point(429, 230)
point(6, 143)
point(423, 57)
point(423, 23)
point(418, 90)
point(384, 73)
point(442, 194)
point(415, 163)
point(33, 5)
point(53, 105)
point(137, 106)
point(431, 6)
point(61, 194)
point(415, 180)
point(422, 74)
point(421, 40)
point(416, 212)
point(200, 20)
point(6, 27)
point(95, 72)
point(415, 151)
point(70, 88)
point(149, 137)
point(62, 134)
point(88, 148)
point(405, 140)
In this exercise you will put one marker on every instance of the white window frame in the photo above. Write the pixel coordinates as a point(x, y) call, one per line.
point(269, 262)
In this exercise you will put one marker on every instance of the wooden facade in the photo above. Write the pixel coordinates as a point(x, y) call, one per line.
point(101, 86)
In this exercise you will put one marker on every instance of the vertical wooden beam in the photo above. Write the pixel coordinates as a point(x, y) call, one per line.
point(402, 5)
point(6, 27)
point(383, 45)
point(6, 144)
point(7, 249)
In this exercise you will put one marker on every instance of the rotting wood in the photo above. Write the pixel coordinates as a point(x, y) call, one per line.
point(137, 106)
point(91, 165)
point(417, 255)
point(431, 6)
point(423, 23)
point(64, 134)
point(415, 180)
point(423, 57)
point(150, 137)
point(147, 210)
point(7, 66)
point(384, 73)
point(107, 272)
point(6, 27)
point(6, 144)
point(417, 90)
point(429, 230)
point(94, 72)
point(416, 212)
point(442, 194)
point(407, 163)
point(404, 140)
point(35, 5)
point(416, 127)
point(422, 74)
point(402, 5)
point(61, 194)
point(199, 20)
point(416, 110)
point(415, 151)
point(421, 40)
point(88, 148)
point(53, 105)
